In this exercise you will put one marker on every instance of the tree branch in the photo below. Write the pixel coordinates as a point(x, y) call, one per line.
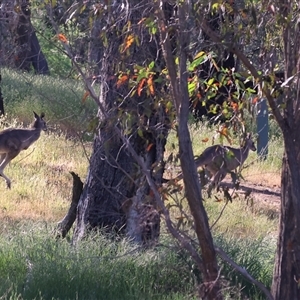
point(235, 49)
point(244, 272)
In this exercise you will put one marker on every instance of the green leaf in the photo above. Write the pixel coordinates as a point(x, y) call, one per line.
point(191, 87)
point(140, 132)
point(210, 82)
point(196, 62)
point(151, 65)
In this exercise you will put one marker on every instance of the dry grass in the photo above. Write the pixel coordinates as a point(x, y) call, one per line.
point(262, 172)
point(240, 219)
point(41, 183)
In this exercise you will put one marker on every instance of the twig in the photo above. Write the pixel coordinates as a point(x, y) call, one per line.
point(220, 215)
point(26, 156)
point(244, 272)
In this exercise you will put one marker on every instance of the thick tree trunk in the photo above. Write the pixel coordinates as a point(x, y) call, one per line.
point(116, 195)
point(286, 279)
point(30, 53)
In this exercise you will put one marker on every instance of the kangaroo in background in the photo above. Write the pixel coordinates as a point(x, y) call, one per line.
point(14, 140)
point(220, 160)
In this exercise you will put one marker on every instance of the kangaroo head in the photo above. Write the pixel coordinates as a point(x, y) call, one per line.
point(39, 122)
point(249, 142)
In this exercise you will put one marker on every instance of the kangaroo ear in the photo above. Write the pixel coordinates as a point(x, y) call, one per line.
point(249, 134)
point(42, 115)
point(36, 115)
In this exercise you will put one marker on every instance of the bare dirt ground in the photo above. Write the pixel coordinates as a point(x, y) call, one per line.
point(266, 197)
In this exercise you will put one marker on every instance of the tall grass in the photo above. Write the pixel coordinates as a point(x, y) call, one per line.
point(33, 265)
point(255, 169)
point(61, 100)
point(41, 183)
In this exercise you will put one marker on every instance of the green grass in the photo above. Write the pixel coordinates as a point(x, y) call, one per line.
point(60, 100)
point(33, 265)
point(256, 256)
point(41, 183)
point(256, 170)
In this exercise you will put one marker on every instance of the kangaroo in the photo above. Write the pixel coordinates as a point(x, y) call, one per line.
point(220, 160)
point(14, 140)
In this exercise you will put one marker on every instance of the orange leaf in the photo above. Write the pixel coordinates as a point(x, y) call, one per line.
point(149, 147)
point(255, 100)
point(122, 80)
point(205, 140)
point(140, 86)
point(62, 38)
point(235, 106)
point(85, 95)
point(223, 130)
point(128, 42)
point(150, 85)
point(218, 200)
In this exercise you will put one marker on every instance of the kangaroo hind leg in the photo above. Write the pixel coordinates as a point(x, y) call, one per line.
point(8, 157)
point(215, 180)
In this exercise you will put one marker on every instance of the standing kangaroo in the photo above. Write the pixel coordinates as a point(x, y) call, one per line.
point(14, 140)
point(220, 160)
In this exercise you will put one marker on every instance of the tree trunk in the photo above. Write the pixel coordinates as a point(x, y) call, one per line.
point(210, 288)
point(116, 195)
point(66, 223)
point(8, 24)
point(30, 53)
point(286, 277)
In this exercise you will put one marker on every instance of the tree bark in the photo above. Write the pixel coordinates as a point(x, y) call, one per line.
point(210, 288)
point(66, 223)
point(116, 194)
point(30, 53)
point(286, 277)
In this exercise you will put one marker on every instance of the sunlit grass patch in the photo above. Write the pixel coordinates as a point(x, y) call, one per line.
point(60, 100)
point(41, 183)
point(255, 169)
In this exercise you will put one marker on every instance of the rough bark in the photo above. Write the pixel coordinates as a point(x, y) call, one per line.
point(29, 50)
point(286, 277)
point(18, 41)
point(66, 223)
point(210, 289)
point(114, 177)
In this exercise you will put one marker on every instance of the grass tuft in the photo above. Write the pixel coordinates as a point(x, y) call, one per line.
point(36, 266)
